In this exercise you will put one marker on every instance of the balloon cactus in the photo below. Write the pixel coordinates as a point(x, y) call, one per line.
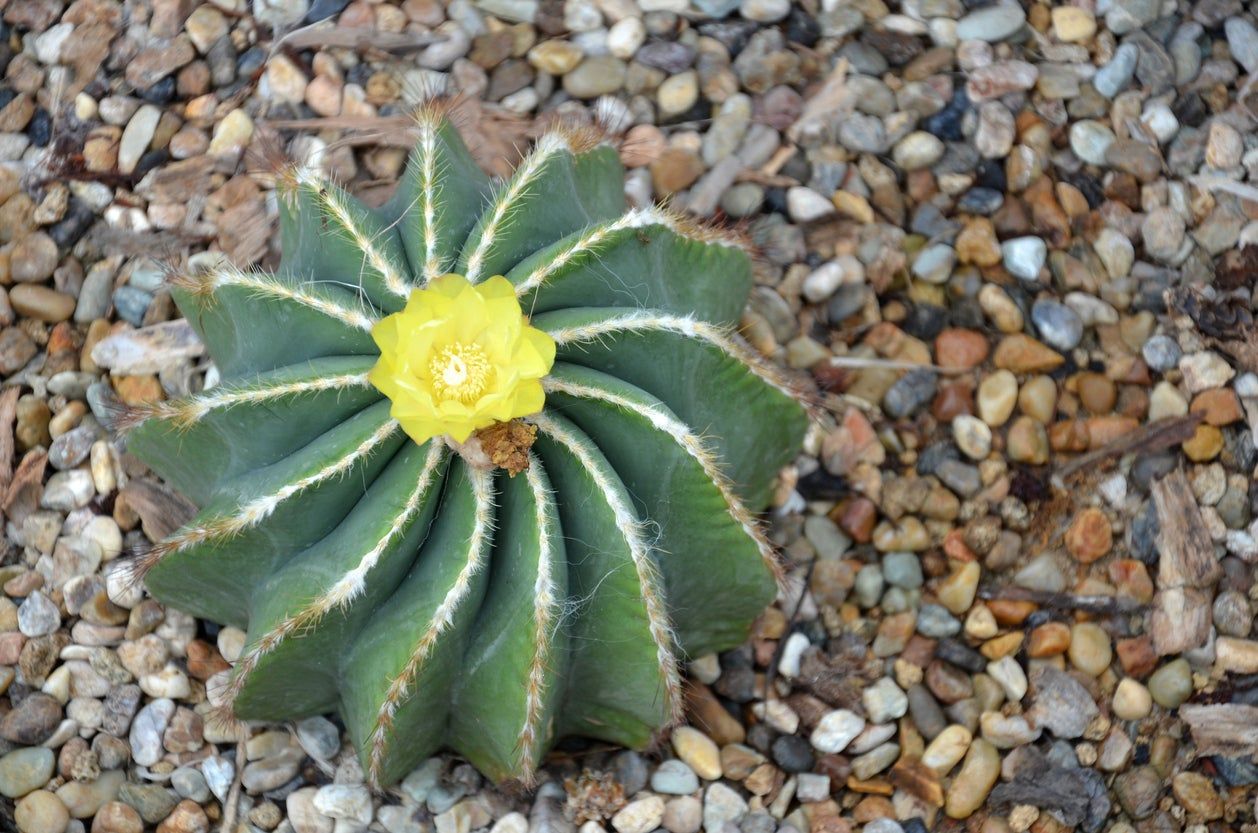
point(482, 464)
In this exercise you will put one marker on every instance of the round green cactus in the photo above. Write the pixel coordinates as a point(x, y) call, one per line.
point(405, 581)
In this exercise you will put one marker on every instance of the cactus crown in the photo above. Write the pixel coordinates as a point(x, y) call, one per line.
point(383, 565)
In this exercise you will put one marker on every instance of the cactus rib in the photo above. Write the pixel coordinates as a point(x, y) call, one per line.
point(693, 445)
point(631, 528)
point(258, 509)
point(442, 617)
point(264, 286)
point(637, 321)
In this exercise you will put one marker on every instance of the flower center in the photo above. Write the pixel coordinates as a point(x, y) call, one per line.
point(460, 371)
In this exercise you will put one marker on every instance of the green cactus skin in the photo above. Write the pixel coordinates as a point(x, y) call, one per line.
point(430, 602)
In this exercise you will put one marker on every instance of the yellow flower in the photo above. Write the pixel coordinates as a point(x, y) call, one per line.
point(460, 357)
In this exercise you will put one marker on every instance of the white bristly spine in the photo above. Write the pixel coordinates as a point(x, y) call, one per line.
point(647, 321)
point(511, 199)
point(335, 208)
point(545, 601)
point(268, 286)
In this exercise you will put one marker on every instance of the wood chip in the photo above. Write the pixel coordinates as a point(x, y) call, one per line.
point(148, 350)
point(26, 487)
point(1229, 729)
point(161, 511)
point(8, 415)
point(1187, 551)
point(318, 34)
point(825, 106)
point(1179, 620)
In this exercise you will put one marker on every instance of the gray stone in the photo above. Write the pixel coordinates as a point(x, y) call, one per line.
point(1129, 15)
point(1057, 324)
point(147, 729)
point(1242, 40)
point(190, 784)
point(721, 805)
point(1090, 140)
point(992, 24)
point(24, 770)
point(1024, 257)
point(1060, 703)
point(1117, 73)
point(319, 737)
point(902, 569)
point(674, 777)
point(38, 616)
point(910, 392)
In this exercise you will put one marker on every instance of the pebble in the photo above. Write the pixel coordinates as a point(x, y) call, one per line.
point(1132, 701)
point(596, 75)
point(84, 798)
point(1060, 703)
point(972, 784)
point(137, 136)
point(1242, 42)
point(1171, 685)
point(993, 23)
point(721, 806)
point(698, 751)
point(1057, 324)
point(683, 815)
point(1090, 648)
point(147, 729)
point(836, 730)
point(1010, 676)
point(33, 258)
point(38, 616)
point(1205, 370)
point(973, 437)
point(1024, 257)
point(884, 700)
point(917, 150)
point(996, 398)
point(1090, 140)
point(805, 205)
point(24, 770)
point(674, 777)
point(1073, 24)
point(641, 816)
point(1163, 234)
point(41, 812)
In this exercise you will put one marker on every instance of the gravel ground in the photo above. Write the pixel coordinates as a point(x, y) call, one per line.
point(1005, 243)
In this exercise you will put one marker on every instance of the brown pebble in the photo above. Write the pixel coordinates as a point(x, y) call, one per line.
point(41, 303)
point(1103, 430)
point(1136, 655)
point(1219, 406)
point(962, 349)
point(138, 390)
point(1089, 536)
point(1023, 354)
point(1048, 640)
point(1204, 445)
point(1096, 392)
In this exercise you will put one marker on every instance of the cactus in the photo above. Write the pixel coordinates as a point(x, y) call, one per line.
point(383, 563)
